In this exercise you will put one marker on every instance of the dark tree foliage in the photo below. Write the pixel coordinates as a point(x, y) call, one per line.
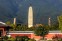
point(31, 28)
point(21, 28)
point(41, 31)
point(54, 25)
point(22, 38)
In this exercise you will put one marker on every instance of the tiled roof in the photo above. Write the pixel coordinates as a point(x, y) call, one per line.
point(2, 24)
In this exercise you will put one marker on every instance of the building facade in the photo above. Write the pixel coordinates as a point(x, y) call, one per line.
point(31, 34)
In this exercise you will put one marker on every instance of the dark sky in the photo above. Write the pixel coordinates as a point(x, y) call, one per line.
point(42, 9)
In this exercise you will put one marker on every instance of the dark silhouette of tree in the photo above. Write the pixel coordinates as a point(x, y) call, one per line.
point(41, 31)
point(21, 38)
point(54, 25)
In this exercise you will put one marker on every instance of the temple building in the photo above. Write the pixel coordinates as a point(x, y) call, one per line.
point(3, 29)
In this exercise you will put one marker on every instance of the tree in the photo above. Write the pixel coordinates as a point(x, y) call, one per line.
point(41, 31)
point(54, 25)
point(60, 21)
point(21, 28)
point(31, 40)
point(31, 28)
point(11, 25)
point(8, 23)
point(22, 38)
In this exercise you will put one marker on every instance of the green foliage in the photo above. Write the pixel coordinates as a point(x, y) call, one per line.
point(5, 37)
point(22, 38)
point(31, 28)
point(18, 28)
point(11, 39)
point(31, 40)
point(60, 40)
point(60, 21)
point(8, 23)
point(24, 28)
point(21, 28)
point(41, 31)
point(11, 25)
point(54, 26)
point(49, 40)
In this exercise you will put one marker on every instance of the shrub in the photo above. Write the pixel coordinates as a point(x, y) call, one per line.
point(31, 40)
point(21, 38)
point(11, 39)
